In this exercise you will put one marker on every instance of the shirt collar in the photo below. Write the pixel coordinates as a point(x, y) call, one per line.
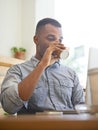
point(35, 62)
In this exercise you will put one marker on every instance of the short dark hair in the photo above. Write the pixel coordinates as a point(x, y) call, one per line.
point(45, 21)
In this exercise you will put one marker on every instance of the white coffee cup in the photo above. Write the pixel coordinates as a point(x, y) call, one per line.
point(64, 55)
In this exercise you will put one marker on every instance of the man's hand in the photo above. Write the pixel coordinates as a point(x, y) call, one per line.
point(52, 53)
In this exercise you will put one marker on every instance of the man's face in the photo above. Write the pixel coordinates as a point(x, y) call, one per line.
point(47, 35)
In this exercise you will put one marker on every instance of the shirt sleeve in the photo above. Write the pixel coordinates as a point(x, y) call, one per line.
point(10, 100)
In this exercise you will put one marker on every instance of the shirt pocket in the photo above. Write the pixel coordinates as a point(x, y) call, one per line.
point(66, 86)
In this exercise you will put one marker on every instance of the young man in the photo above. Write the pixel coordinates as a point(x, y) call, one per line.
point(42, 83)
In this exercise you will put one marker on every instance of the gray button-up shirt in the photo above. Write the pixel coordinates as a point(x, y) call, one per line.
point(57, 89)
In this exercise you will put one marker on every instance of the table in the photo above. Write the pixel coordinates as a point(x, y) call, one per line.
point(50, 122)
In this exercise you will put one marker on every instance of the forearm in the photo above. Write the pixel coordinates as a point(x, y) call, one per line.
point(27, 86)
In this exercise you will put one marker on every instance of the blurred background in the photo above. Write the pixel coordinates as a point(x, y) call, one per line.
point(79, 19)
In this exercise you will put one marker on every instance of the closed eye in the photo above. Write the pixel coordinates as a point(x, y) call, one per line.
point(51, 38)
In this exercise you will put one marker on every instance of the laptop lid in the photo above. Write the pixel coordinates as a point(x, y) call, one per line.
point(92, 77)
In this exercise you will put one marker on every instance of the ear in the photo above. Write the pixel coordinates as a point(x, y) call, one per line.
point(35, 39)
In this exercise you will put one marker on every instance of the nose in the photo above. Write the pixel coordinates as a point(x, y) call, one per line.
point(59, 40)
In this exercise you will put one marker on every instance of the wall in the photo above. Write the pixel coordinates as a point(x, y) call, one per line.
point(44, 8)
point(28, 23)
point(17, 23)
point(10, 25)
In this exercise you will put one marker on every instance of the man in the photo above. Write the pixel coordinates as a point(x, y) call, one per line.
point(42, 83)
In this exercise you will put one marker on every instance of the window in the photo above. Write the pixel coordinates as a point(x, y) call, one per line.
point(79, 21)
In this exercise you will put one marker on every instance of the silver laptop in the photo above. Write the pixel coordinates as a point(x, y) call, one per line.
point(92, 77)
point(92, 80)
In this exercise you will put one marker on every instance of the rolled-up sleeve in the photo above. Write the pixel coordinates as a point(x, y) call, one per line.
point(10, 100)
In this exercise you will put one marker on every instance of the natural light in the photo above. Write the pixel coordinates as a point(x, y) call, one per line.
point(79, 20)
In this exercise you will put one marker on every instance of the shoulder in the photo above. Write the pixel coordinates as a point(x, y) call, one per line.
point(20, 66)
point(68, 71)
point(27, 65)
point(67, 68)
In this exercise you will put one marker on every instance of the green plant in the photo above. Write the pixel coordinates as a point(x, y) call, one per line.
point(16, 49)
point(18, 52)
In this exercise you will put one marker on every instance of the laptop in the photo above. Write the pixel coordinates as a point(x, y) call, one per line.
point(92, 79)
